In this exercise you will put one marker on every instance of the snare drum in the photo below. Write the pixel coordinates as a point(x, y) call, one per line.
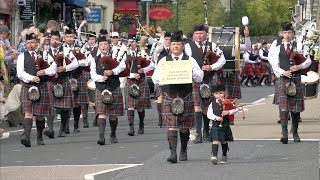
point(91, 85)
point(311, 81)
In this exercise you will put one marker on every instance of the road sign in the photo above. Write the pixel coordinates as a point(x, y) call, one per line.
point(94, 16)
point(28, 11)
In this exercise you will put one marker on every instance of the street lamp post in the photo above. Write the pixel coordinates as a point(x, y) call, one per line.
point(177, 14)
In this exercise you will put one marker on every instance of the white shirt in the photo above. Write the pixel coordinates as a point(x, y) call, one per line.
point(216, 66)
point(97, 77)
point(246, 57)
point(262, 56)
point(213, 117)
point(74, 62)
point(197, 73)
point(26, 77)
point(274, 61)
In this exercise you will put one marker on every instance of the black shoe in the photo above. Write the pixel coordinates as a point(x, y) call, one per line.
point(85, 125)
point(49, 133)
point(183, 156)
point(284, 140)
point(279, 122)
point(141, 129)
point(26, 142)
point(205, 137)
point(67, 131)
point(113, 139)
point(40, 142)
point(296, 137)
point(101, 141)
point(131, 131)
point(62, 134)
point(173, 158)
point(198, 138)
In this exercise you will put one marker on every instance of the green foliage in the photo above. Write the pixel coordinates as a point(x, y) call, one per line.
point(265, 16)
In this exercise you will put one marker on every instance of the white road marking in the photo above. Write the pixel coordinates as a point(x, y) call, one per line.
point(248, 139)
point(5, 135)
point(262, 99)
point(271, 95)
point(125, 166)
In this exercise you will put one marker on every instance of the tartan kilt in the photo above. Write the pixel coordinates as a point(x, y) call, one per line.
point(295, 103)
point(86, 75)
point(232, 84)
point(113, 109)
point(247, 70)
point(143, 100)
point(205, 102)
point(42, 107)
point(157, 91)
point(81, 96)
point(221, 134)
point(276, 93)
point(50, 89)
point(256, 70)
point(195, 94)
point(169, 120)
point(264, 67)
point(67, 100)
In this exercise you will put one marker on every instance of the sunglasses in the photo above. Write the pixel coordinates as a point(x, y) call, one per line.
point(115, 37)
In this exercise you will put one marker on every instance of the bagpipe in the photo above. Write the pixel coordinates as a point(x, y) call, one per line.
point(80, 56)
point(229, 104)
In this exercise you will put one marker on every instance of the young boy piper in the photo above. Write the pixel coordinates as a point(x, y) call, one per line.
point(220, 130)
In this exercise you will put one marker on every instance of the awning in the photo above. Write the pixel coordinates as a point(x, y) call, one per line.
point(81, 3)
point(6, 6)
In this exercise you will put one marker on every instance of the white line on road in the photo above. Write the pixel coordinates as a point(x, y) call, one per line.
point(91, 176)
point(262, 99)
point(5, 135)
point(248, 139)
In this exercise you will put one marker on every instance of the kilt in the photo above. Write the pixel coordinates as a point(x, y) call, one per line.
point(248, 70)
point(256, 70)
point(294, 103)
point(42, 107)
point(67, 100)
point(205, 102)
point(50, 89)
point(86, 75)
point(221, 134)
point(195, 94)
point(169, 120)
point(113, 109)
point(276, 94)
point(232, 84)
point(264, 67)
point(81, 96)
point(157, 91)
point(143, 100)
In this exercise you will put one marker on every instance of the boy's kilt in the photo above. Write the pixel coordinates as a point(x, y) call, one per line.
point(67, 100)
point(42, 107)
point(295, 103)
point(264, 67)
point(221, 134)
point(143, 100)
point(113, 109)
point(232, 84)
point(81, 95)
point(169, 120)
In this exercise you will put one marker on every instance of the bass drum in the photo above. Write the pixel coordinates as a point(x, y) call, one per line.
point(311, 81)
point(228, 41)
point(91, 85)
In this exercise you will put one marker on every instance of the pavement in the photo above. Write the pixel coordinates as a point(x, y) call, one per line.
point(255, 154)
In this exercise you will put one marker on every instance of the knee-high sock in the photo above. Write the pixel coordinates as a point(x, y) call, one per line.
point(198, 120)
